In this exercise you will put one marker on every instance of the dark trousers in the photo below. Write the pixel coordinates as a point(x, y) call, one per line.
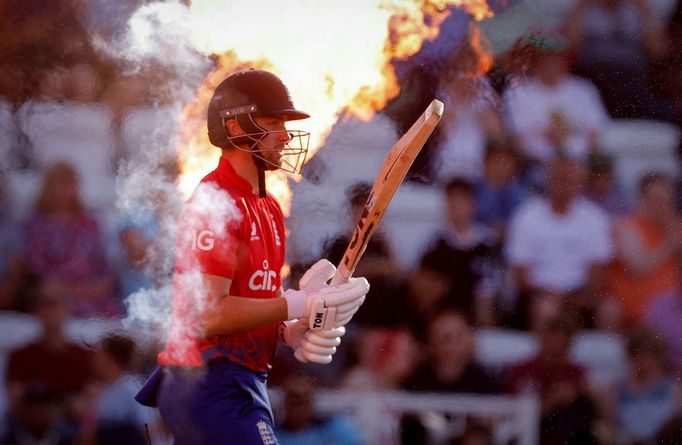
point(222, 403)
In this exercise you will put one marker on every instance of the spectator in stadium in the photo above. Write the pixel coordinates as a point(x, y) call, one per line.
point(559, 245)
point(421, 296)
point(301, 425)
point(568, 412)
point(499, 191)
point(615, 43)
point(450, 365)
point(648, 396)
point(143, 234)
point(386, 357)
point(473, 111)
point(378, 263)
point(46, 380)
point(418, 297)
point(64, 248)
point(602, 188)
point(663, 315)
point(115, 417)
point(552, 112)
point(137, 239)
point(647, 243)
point(468, 253)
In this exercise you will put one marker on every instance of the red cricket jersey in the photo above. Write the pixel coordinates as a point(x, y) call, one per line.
point(226, 230)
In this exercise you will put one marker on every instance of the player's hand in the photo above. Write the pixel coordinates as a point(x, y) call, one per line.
point(328, 307)
point(292, 332)
point(325, 306)
point(318, 275)
point(319, 346)
point(310, 346)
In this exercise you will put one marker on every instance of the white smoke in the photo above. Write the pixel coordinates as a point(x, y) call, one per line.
point(157, 40)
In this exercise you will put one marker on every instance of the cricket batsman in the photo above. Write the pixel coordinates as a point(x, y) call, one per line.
point(210, 385)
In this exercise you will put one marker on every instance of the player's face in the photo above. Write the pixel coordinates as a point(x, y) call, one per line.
point(274, 141)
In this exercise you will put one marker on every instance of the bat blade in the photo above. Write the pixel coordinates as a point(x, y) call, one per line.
point(391, 174)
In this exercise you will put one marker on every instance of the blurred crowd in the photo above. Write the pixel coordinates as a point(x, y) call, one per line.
point(538, 237)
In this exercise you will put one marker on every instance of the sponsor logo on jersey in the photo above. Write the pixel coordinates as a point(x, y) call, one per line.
point(203, 240)
point(254, 232)
point(263, 279)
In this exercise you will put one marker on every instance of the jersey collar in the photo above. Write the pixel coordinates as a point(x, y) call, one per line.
point(228, 172)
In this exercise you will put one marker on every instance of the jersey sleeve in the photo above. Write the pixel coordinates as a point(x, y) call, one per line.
point(209, 232)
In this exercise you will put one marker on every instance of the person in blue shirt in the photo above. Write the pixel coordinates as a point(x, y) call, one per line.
point(303, 426)
point(499, 191)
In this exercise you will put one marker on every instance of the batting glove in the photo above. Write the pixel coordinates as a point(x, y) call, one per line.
point(292, 332)
point(319, 346)
point(329, 306)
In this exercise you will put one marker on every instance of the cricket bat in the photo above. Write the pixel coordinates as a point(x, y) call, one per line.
point(392, 172)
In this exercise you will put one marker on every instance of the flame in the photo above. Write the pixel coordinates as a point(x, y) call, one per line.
point(479, 9)
point(333, 56)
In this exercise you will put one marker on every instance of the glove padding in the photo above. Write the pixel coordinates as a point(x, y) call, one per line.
point(319, 346)
point(318, 275)
point(309, 346)
point(325, 306)
point(292, 332)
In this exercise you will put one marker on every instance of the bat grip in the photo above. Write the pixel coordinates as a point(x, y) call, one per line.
point(342, 275)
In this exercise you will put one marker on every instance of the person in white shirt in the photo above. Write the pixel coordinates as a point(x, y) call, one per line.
point(474, 111)
point(558, 246)
point(552, 112)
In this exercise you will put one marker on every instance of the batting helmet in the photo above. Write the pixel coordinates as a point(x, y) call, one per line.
point(245, 95)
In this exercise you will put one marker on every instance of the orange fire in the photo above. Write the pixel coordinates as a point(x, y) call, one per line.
point(333, 56)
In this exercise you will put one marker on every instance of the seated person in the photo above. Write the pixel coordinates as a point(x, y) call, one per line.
point(552, 112)
point(386, 357)
point(559, 245)
point(46, 380)
point(377, 262)
point(137, 239)
point(450, 365)
point(663, 316)
point(648, 396)
point(301, 425)
point(420, 297)
point(499, 192)
point(647, 244)
point(117, 418)
point(602, 187)
point(473, 110)
point(469, 254)
point(65, 251)
point(567, 410)
point(616, 43)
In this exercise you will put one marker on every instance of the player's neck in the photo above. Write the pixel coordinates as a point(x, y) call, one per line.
point(243, 164)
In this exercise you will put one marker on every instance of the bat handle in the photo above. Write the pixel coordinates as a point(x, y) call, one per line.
point(342, 274)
